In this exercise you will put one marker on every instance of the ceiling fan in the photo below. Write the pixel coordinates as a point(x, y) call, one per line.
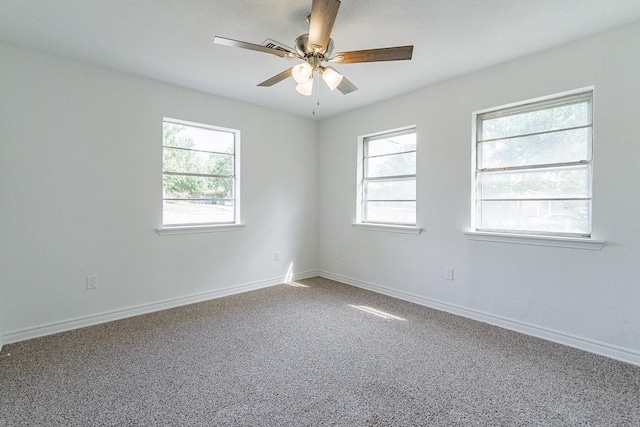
point(315, 48)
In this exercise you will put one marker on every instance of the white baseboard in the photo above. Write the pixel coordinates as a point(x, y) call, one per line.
point(81, 322)
point(603, 349)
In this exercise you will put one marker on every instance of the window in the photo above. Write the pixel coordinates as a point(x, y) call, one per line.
point(200, 174)
point(533, 167)
point(387, 178)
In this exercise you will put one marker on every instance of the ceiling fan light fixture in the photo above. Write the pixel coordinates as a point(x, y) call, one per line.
point(305, 88)
point(315, 48)
point(331, 77)
point(302, 73)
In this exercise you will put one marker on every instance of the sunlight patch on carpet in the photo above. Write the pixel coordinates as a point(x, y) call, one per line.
point(376, 312)
point(288, 279)
point(297, 285)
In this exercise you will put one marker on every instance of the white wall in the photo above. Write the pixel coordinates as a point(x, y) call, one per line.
point(590, 299)
point(81, 188)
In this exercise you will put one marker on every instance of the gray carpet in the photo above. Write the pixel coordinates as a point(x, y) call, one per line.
point(309, 356)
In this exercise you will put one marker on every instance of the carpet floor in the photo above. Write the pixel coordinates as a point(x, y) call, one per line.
point(311, 353)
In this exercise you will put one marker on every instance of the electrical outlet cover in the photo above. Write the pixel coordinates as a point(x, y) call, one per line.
point(449, 274)
point(92, 282)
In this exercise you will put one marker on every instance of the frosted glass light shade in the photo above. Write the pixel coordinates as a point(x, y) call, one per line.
point(331, 77)
point(305, 88)
point(301, 73)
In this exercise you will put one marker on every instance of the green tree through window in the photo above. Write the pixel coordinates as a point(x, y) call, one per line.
point(199, 165)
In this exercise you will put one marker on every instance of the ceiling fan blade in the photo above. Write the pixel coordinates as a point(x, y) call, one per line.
point(346, 86)
point(398, 53)
point(244, 45)
point(277, 78)
point(323, 15)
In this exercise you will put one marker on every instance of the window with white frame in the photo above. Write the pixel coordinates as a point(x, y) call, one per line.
point(200, 174)
point(387, 178)
point(534, 166)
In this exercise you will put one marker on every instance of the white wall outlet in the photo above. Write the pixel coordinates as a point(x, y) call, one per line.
point(277, 256)
point(92, 282)
point(449, 274)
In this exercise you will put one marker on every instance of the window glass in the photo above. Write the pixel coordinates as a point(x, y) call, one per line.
point(557, 147)
point(199, 179)
point(537, 119)
point(388, 178)
point(391, 212)
point(533, 170)
point(391, 190)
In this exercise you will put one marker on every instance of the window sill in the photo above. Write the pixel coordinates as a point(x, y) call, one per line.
point(403, 229)
point(196, 229)
point(525, 239)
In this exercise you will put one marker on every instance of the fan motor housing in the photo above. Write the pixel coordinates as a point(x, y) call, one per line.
point(301, 47)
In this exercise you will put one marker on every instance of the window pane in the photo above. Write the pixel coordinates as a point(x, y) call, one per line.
point(391, 165)
point(557, 147)
point(535, 184)
point(570, 217)
point(177, 160)
point(195, 187)
point(193, 149)
point(198, 138)
point(541, 120)
point(195, 212)
point(533, 171)
point(391, 144)
point(388, 178)
point(391, 212)
point(391, 190)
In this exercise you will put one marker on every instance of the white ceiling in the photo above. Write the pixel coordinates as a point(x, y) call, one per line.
point(171, 40)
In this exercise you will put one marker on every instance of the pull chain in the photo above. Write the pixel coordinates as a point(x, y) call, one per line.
point(318, 93)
